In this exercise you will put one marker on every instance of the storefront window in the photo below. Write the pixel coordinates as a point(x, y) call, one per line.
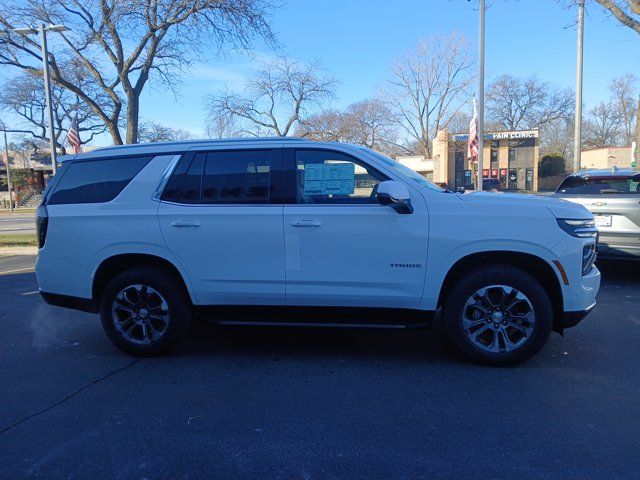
point(494, 154)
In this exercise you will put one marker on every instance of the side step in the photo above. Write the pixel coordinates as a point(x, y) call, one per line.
point(317, 317)
point(379, 326)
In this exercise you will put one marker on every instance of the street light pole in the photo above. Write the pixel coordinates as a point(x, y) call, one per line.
point(6, 153)
point(481, 100)
point(577, 138)
point(47, 92)
point(42, 31)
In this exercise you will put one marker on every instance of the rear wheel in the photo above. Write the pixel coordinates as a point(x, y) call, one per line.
point(498, 315)
point(145, 311)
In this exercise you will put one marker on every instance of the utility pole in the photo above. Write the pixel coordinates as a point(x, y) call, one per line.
point(637, 149)
point(481, 100)
point(577, 138)
point(6, 156)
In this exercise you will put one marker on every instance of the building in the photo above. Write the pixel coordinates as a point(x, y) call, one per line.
point(35, 170)
point(511, 156)
point(606, 158)
point(419, 164)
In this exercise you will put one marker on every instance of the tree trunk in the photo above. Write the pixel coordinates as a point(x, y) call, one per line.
point(133, 117)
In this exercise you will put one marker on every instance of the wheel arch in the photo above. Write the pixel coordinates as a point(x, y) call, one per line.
point(539, 268)
point(115, 264)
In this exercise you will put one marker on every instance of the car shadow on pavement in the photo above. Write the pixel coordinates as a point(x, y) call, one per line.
point(627, 271)
point(308, 342)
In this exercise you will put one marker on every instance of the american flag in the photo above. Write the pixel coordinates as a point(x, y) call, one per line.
point(73, 137)
point(472, 142)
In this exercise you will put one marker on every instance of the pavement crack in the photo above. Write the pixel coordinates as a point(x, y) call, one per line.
point(70, 396)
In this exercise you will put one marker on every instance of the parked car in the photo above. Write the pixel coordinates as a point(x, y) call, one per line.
point(488, 185)
point(613, 196)
point(293, 232)
point(491, 184)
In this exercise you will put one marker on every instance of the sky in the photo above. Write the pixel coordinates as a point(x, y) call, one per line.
point(356, 41)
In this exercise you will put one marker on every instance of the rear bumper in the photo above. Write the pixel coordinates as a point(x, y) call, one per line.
point(571, 319)
point(66, 301)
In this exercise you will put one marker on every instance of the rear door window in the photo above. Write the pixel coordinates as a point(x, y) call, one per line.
point(240, 177)
point(96, 181)
point(237, 177)
point(576, 185)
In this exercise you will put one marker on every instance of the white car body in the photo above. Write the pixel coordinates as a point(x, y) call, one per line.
point(307, 255)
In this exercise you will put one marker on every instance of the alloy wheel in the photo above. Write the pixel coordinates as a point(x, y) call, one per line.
point(140, 314)
point(498, 318)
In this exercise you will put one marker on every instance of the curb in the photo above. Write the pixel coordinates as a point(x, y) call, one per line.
point(18, 250)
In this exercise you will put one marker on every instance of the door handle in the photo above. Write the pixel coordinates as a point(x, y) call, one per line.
point(305, 223)
point(186, 224)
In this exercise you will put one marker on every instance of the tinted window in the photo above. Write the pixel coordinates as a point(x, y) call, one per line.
point(191, 185)
point(576, 185)
point(326, 177)
point(172, 188)
point(96, 181)
point(240, 176)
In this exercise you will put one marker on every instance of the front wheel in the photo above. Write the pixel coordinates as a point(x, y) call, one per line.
point(498, 315)
point(145, 311)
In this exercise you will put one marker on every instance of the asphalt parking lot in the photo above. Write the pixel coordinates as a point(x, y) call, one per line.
point(289, 403)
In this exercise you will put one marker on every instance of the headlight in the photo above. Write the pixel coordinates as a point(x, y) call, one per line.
point(588, 257)
point(578, 228)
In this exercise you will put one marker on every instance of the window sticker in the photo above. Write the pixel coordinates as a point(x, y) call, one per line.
point(329, 178)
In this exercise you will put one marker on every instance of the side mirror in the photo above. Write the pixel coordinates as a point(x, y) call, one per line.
point(460, 190)
point(396, 195)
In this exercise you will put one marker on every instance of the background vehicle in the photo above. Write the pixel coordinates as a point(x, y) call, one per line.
point(488, 185)
point(613, 196)
point(303, 233)
point(491, 184)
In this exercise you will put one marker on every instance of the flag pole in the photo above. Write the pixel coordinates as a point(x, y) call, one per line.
point(481, 99)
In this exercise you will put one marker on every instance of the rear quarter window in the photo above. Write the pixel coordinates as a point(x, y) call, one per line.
point(96, 181)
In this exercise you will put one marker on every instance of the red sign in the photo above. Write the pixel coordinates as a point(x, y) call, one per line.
point(494, 173)
point(485, 173)
point(503, 172)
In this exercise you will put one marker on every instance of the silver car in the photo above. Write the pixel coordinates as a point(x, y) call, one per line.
point(613, 196)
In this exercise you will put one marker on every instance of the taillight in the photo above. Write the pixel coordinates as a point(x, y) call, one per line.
point(42, 222)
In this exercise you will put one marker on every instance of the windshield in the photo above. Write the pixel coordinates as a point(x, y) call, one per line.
point(406, 171)
point(576, 185)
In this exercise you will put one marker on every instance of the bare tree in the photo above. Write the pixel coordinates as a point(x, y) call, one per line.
point(277, 97)
point(603, 127)
point(372, 124)
point(624, 93)
point(325, 126)
point(513, 103)
point(369, 123)
point(222, 126)
point(626, 11)
point(156, 132)
point(124, 45)
point(556, 139)
point(429, 85)
point(23, 96)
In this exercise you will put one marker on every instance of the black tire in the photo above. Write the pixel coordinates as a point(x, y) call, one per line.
point(175, 324)
point(455, 309)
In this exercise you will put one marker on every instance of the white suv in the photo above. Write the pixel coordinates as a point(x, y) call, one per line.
point(287, 231)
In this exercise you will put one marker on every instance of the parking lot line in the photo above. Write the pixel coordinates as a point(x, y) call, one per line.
point(28, 269)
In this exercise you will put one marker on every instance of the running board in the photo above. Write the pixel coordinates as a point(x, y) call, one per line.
point(377, 326)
